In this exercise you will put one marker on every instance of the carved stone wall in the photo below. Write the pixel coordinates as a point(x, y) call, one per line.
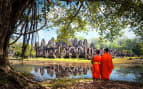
point(75, 49)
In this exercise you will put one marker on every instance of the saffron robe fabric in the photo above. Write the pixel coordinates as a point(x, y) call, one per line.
point(96, 67)
point(106, 66)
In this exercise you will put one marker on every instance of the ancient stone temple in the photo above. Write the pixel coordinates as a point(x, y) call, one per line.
point(73, 49)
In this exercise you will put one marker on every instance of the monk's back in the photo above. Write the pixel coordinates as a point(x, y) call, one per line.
point(97, 58)
point(106, 58)
point(106, 65)
point(96, 67)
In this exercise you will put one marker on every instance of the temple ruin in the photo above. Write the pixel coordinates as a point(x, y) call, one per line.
point(74, 49)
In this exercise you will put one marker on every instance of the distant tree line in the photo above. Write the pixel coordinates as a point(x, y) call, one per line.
point(17, 48)
point(132, 46)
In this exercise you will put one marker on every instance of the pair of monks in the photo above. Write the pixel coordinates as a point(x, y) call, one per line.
point(102, 65)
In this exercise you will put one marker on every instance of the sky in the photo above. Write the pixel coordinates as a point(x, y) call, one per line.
point(47, 35)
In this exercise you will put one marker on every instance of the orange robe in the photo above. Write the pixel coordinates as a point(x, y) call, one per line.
point(96, 67)
point(106, 66)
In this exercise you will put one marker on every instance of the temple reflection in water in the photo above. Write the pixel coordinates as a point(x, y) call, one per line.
point(59, 71)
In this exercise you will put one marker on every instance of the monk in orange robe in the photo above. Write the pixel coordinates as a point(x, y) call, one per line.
point(96, 66)
point(106, 65)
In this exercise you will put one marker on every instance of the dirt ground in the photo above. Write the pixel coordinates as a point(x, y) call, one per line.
point(88, 84)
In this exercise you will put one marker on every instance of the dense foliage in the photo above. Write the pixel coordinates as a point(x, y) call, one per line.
point(17, 48)
point(138, 49)
point(125, 45)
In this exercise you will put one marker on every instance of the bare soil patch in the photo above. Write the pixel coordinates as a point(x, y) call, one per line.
point(88, 84)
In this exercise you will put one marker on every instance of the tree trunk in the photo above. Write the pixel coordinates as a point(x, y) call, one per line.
point(3, 54)
point(10, 12)
point(5, 30)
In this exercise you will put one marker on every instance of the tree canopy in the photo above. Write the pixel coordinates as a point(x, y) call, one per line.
point(108, 17)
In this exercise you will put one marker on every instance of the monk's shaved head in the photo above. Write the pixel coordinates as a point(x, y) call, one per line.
point(106, 50)
point(97, 52)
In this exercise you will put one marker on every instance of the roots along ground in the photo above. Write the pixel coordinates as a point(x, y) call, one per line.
point(14, 80)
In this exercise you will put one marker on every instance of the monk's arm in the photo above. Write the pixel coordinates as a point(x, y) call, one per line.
point(101, 62)
point(92, 61)
point(111, 63)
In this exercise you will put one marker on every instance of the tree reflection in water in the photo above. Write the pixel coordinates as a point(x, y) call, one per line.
point(36, 69)
point(130, 72)
point(42, 71)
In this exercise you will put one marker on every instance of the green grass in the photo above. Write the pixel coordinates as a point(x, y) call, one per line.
point(120, 60)
point(125, 60)
point(80, 60)
point(14, 58)
point(60, 59)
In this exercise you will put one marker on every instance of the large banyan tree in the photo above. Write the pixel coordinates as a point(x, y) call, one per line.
point(23, 18)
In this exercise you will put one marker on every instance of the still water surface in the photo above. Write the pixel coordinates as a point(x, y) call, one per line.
point(122, 72)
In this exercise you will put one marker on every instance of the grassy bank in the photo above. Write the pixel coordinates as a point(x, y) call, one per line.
point(124, 60)
point(128, 60)
point(60, 59)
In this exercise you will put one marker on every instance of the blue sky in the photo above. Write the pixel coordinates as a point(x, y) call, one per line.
point(47, 35)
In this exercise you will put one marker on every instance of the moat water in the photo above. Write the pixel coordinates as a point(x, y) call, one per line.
point(122, 72)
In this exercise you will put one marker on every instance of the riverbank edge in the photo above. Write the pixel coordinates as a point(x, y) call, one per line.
point(46, 61)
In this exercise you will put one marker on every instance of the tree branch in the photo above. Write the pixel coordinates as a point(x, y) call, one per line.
point(76, 13)
point(32, 31)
